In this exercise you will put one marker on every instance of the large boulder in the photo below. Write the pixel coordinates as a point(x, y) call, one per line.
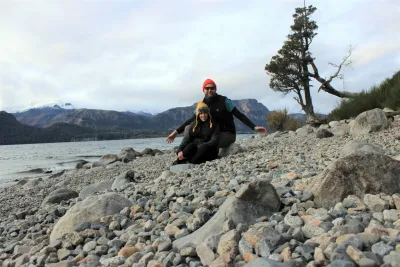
point(354, 146)
point(95, 188)
point(128, 154)
point(123, 180)
point(88, 210)
point(253, 200)
point(369, 121)
point(59, 195)
point(356, 174)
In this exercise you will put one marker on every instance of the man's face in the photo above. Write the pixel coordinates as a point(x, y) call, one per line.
point(210, 90)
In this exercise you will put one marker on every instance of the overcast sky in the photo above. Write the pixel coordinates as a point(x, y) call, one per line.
point(153, 55)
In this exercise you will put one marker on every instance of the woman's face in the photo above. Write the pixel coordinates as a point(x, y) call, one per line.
point(203, 116)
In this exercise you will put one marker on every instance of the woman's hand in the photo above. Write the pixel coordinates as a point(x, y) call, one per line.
point(180, 156)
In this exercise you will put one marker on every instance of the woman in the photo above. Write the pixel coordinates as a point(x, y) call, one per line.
point(200, 144)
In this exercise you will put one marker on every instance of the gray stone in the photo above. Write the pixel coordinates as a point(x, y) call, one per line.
point(356, 174)
point(91, 208)
point(293, 221)
point(369, 121)
point(66, 263)
point(95, 188)
point(181, 167)
point(356, 146)
point(32, 183)
point(305, 130)
point(59, 195)
point(341, 130)
point(341, 263)
point(323, 133)
point(381, 248)
point(253, 200)
point(188, 252)
point(375, 203)
point(393, 258)
point(113, 262)
point(128, 154)
point(90, 246)
point(127, 178)
point(365, 262)
point(261, 262)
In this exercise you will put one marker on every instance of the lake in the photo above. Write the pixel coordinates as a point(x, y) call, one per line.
point(19, 161)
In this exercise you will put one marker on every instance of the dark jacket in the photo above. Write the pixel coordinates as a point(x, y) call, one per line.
point(221, 115)
point(202, 135)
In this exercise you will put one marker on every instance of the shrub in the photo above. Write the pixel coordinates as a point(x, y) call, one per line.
point(387, 94)
point(279, 120)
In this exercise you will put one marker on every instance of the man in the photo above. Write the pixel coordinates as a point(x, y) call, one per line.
point(222, 111)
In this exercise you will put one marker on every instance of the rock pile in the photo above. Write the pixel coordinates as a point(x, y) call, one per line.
point(304, 198)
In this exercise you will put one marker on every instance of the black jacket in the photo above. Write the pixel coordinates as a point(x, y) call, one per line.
point(221, 115)
point(202, 135)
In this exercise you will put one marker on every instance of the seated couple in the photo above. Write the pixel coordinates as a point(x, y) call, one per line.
point(207, 134)
point(200, 143)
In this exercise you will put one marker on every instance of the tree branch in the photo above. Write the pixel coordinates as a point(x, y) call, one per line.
point(326, 84)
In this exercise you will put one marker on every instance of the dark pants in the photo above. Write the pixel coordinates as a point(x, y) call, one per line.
point(199, 154)
point(225, 138)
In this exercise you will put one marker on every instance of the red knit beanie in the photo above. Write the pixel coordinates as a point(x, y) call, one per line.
point(207, 82)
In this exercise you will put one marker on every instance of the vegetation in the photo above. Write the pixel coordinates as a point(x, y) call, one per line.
point(387, 94)
point(14, 132)
point(280, 120)
point(293, 67)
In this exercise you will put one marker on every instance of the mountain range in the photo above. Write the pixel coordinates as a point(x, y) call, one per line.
point(69, 124)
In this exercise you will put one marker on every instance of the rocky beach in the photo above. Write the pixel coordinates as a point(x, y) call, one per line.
point(315, 197)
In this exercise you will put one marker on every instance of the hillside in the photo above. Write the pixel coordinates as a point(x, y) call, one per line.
point(109, 120)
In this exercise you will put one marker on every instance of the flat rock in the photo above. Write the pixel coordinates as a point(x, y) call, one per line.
point(181, 167)
point(253, 200)
point(59, 195)
point(95, 188)
point(90, 209)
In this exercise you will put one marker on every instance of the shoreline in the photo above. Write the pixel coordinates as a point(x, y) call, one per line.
point(167, 207)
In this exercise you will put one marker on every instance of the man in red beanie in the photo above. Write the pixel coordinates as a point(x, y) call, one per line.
point(222, 111)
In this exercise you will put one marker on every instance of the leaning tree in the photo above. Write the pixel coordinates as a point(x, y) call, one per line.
point(293, 67)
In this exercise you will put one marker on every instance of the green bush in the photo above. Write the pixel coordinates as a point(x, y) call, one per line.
point(387, 94)
point(279, 120)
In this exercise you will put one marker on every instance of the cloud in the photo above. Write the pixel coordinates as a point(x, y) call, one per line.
point(154, 55)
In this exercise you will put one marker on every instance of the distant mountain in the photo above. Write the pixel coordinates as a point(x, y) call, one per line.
point(51, 105)
point(107, 120)
point(14, 132)
point(146, 114)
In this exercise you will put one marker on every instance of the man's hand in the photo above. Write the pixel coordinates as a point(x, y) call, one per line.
point(180, 156)
point(261, 129)
point(171, 137)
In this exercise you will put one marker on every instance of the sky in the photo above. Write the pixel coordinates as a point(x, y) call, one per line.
point(153, 55)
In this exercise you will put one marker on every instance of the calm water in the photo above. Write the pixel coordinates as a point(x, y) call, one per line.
point(18, 161)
